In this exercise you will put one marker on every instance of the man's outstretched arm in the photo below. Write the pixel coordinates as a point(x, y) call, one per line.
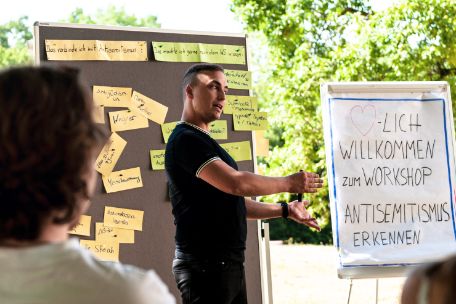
point(243, 183)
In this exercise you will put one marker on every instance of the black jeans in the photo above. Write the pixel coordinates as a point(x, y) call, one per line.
point(210, 281)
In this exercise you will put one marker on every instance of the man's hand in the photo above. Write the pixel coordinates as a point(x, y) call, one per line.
point(304, 182)
point(298, 213)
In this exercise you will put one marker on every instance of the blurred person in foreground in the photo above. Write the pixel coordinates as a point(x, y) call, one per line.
point(433, 283)
point(48, 145)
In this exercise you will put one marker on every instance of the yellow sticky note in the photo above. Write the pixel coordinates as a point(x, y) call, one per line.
point(261, 144)
point(239, 151)
point(148, 107)
point(114, 234)
point(83, 227)
point(157, 159)
point(110, 154)
point(112, 96)
point(127, 120)
point(122, 180)
point(246, 121)
point(198, 52)
point(96, 50)
point(167, 129)
point(123, 218)
point(239, 79)
point(105, 251)
point(98, 114)
point(218, 129)
point(240, 104)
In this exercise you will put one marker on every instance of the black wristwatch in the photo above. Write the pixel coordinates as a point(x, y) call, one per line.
point(284, 210)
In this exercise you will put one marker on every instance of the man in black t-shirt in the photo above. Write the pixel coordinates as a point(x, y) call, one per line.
point(207, 193)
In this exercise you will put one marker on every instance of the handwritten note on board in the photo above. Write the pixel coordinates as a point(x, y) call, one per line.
point(219, 129)
point(96, 50)
point(198, 52)
point(239, 151)
point(83, 227)
point(110, 154)
point(261, 144)
point(240, 104)
point(113, 234)
point(148, 107)
point(157, 159)
point(238, 79)
point(112, 96)
point(123, 180)
point(247, 121)
point(98, 114)
point(105, 251)
point(123, 218)
point(127, 120)
point(167, 129)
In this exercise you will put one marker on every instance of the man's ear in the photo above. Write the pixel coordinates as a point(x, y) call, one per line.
point(189, 91)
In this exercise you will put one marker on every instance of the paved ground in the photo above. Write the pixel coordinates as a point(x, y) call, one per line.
point(306, 274)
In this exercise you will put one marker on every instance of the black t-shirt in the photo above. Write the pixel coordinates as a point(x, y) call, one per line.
point(209, 222)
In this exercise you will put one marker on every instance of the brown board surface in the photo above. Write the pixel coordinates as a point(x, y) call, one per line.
point(154, 245)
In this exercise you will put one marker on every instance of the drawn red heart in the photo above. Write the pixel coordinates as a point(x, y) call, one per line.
point(363, 118)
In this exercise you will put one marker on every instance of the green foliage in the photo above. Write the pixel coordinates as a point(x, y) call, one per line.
point(18, 55)
point(15, 37)
point(314, 41)
point(112, 16)
point(15, 31)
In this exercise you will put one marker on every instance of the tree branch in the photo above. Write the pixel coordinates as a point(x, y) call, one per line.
point(353, 11)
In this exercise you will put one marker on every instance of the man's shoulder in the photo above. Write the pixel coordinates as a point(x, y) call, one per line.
point(184, 133)
point(127, 279)
point(119, 283)
point(89, 264)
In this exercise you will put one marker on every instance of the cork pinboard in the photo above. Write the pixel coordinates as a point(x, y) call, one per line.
point(154, 245)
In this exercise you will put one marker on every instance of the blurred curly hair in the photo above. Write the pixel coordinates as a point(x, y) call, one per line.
point(47, 137)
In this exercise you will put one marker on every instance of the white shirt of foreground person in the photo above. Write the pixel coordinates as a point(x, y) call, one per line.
point(67, 273)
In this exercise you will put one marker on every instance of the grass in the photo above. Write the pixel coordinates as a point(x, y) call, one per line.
point(306, 274)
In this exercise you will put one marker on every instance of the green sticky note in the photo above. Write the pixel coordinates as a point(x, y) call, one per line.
point(167, 129)
point(198, 52)
point(248, 121)
point(240, 103)
point(239, 79)
point(219, 129)
point(157, 159)
point(239, 151)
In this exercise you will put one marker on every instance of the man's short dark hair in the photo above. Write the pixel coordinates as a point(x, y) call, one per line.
point(47, 140)
point(190, 75)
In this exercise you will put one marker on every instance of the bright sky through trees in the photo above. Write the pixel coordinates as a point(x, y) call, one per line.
point(196, 15)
